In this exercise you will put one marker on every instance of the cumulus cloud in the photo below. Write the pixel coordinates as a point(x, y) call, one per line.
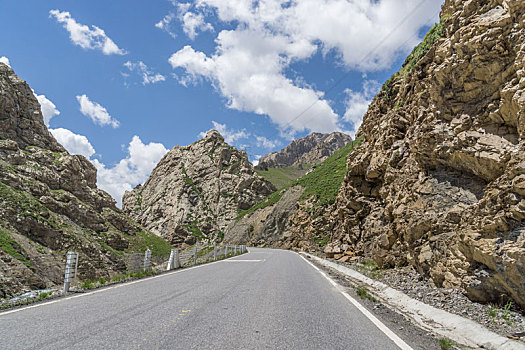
point(130, 171)
point(49, 110)
point(5, 61)
point(194, 22)
point(357, 103)
point(166, 24)
point(263, 142)
point(230, 136)
point(127, 173)
point(250, 61)
point(93, 38)
point(148, 76)
point(73, 143)
point(97, 113)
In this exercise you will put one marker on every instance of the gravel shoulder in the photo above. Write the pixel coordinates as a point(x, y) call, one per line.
point(505, 319)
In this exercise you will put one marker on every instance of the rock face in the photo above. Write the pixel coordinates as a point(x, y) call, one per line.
point(439, 182)
point(312, 149)
point(49, 202)
point(196, 191)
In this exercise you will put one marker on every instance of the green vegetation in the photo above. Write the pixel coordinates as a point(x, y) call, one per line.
point(445, 343)
point(321, 240)
point(270, 200)
point(501, 312)
point(281, 177)
point(437, 32)
point(144, 240)
point(363, 294)
point(11, 247)
point(324, 181)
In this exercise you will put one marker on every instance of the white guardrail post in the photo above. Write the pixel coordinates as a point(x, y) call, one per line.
point(235, 250)
point(147, 260)
point(226, 251)
point(171, 260)
point(176, 259)
point(195, 255)
point(71, 269)
point(214, 253)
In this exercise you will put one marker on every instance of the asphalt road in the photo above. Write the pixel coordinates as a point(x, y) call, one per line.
point(266, 299)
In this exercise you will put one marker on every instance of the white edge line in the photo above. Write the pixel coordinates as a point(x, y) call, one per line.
point(60, 299)
point(394, 337)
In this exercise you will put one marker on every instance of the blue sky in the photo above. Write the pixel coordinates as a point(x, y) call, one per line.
point(122, 82)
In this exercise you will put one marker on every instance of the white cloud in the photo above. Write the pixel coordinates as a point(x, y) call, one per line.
point(130, 171)
point(194, 22)
point(357, 103)
point(255, 160)
point(266, 143)
point(97, 113)
point(250, 61)
point(165, 24)
point(73, 143)
point(148, 76)
point(230, 136)
point(93, 38)
point(49, 110)
point(5, 61)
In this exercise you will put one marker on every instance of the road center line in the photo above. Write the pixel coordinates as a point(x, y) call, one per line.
point(394, 337)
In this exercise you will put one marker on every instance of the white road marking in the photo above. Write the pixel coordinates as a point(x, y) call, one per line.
point(246, 260)
point(394, 337)
point(58, 300)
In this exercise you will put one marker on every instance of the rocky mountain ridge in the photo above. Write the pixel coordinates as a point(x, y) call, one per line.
point(305, 151)
point(49, 203)
point(438, 182)
point(196, 191)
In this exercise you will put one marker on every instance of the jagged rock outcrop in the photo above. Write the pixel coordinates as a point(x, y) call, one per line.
point(309, 150)
point(196, 191)
point(439, 182)
point(49, 202)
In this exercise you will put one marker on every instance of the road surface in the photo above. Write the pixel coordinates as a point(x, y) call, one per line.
point(265, 299)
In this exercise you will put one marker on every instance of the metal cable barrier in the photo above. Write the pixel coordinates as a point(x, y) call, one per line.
point(79, 272)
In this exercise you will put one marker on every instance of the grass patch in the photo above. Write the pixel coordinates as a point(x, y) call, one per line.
point(435, 33)
point(363, 294)
point(446, 343)
point(144, 240)
point(281, 177)
point(11, 247)
point(324, 181)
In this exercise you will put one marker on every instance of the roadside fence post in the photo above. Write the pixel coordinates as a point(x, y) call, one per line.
point(195, 255)
point(147, 260)
point(71, 269)
point(235, 250)
point(171, 260)
point(226, 251)
point(215, 253)
point(176, 259)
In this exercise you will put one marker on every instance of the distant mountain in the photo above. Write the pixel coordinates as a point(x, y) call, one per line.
point(309, 150)
point(196, 191)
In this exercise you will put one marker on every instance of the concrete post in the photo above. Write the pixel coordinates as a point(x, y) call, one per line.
point(171, 260)
point(195, 255)
point(215, 253)
point(147, 260)
point(235, 250)
point(71, 269)
point(176, 259)
point(226, 251)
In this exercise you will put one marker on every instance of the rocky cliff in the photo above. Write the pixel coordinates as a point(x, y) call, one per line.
point(196, 191)
point(49, 203)
point(309, 150)
point(439, 182)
